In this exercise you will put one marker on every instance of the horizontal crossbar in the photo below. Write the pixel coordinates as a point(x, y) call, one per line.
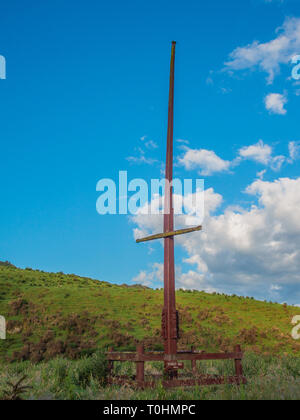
point(169, 234)
point(151, 357)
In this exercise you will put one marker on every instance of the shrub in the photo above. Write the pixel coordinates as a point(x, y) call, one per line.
point(19, 306)
point(92, 367)
point(15, 390)
point(7, 264)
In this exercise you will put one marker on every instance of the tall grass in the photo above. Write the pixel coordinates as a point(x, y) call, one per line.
point(269, 378)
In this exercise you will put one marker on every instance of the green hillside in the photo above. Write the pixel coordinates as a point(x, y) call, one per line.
point(49, 314)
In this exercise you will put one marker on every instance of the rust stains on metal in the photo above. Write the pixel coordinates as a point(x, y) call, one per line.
point(170, 319)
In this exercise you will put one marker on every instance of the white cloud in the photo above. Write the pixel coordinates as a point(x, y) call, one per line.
point(262, 153)
point(153, 276)
point(294, 150)
point(261, 174)
point(269, 56)
point(275, 287)
point(194, 280)
point(141, 158)
point(275, 102)
point(206, 161)
point(258, 152)
point(149, 144)
point(274, 291)
point(182, 141)
point(277, 162)
point(245, 251)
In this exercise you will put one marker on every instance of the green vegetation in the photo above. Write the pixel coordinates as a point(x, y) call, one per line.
point(53, 314)
point(58, 327)
point(269, 378)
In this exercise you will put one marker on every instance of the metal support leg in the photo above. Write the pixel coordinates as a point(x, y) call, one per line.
point(140, 372)
point(238, 362)
point(110, 363)
point(193, 362)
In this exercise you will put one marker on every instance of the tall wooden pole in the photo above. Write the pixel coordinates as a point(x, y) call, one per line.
point(169, 317)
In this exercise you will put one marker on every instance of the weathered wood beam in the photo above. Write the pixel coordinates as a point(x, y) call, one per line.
point(168, 234)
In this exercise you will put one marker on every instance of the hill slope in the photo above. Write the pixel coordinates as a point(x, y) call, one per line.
point(53, 313)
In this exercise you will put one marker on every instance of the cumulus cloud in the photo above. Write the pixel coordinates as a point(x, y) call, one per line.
point(206, 161)
point(268, 56)
point(262, 153)
point(152, 277)
point(194, 280)
point(275, 102)
point(258, 152)
point(246, 250)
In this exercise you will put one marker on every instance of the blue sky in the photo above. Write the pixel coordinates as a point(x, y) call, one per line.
point(87, 80)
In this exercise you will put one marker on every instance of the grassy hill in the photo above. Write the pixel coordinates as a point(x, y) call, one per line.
point(50, 314)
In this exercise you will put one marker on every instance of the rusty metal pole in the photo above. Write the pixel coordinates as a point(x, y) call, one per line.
point(193, 362)
point(140, 372)
point(110, 366)
point(238, 362)
point(169, 316)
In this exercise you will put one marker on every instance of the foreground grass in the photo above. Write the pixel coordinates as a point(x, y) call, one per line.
point(269, 378)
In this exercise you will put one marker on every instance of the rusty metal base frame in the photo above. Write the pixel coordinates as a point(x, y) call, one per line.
point(140, 357)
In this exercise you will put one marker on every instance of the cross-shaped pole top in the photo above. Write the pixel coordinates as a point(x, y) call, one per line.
point(169, 315)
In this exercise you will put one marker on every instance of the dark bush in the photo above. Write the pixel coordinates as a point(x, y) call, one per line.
point(7, 264)
point(95, 366)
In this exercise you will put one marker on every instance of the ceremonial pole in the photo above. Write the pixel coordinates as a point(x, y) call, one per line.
point(169, 323)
